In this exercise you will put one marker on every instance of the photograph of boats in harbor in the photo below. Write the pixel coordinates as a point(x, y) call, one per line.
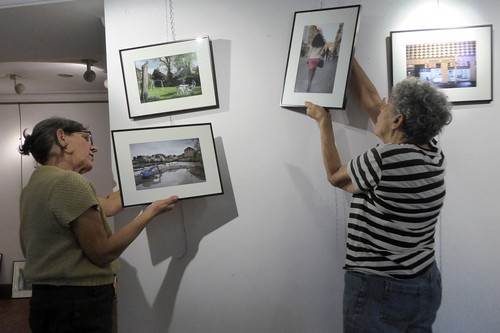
point(167, 163)
point(157, 162)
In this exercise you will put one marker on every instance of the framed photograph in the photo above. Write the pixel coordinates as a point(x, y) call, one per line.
point(169, 77)
point(458, 60)
point(320, 56)
point(21, 287)
point(155, 163)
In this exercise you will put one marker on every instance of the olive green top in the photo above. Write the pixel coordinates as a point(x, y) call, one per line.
point(50, 202)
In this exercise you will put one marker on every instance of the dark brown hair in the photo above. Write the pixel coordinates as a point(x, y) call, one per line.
point(40, 141)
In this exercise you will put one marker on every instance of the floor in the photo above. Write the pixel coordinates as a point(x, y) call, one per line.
point(14, 315)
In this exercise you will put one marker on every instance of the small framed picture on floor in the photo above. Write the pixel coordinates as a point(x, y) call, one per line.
point(21, 287)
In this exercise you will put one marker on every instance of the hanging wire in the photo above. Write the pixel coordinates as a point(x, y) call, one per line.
point(340, 218)
point(169, 19)
point(166, 20)
point(172, 24)
point(184, 231)
point(337, 219)
point(20, 141)
point(440, 240)
point(169, 23)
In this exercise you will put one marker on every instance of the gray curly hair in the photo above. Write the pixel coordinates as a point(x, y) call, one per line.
point(425, 108)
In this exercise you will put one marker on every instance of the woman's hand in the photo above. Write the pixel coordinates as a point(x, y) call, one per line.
point(317, 112)
point(162, 206)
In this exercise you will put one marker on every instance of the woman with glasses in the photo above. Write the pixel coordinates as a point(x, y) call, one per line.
point(392, 282)
point(71, 254)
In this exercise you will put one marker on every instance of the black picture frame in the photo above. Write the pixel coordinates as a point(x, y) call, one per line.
point(458, 60)
point(180, 77)
point(157, 162)
point(337, 27)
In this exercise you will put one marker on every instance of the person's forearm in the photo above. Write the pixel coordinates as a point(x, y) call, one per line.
point(336, 172)
point(102, 248)
point(111, 204)
point(99, 247)
point(365, 91)
point(120, 240)
point(331, 158)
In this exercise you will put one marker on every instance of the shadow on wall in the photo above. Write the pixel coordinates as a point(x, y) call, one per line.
point(198, 217)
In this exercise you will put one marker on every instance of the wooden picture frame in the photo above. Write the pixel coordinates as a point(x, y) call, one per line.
point(155, 163)
point(170, 77)
point(458, 60)
point(319, 57)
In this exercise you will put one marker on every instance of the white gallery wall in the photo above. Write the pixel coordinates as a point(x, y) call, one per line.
point(11, 190)
point(267, 255)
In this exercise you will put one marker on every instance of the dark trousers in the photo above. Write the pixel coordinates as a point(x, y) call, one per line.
point(72, 309)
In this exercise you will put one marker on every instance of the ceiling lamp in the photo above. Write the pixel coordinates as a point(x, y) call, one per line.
point(89, 75)
point(18, 87)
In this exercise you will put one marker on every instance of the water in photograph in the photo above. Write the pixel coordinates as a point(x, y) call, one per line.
point(169, 174)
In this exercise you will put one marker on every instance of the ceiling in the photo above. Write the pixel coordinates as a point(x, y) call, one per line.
point(45, 43)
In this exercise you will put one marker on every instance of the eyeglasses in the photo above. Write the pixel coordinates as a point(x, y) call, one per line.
point(87, 136)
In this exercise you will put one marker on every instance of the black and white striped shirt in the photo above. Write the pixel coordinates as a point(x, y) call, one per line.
point(392, 220)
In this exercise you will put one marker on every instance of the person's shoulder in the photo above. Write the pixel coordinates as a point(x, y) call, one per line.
point(61, 176)
point(394, 146)
point(50, 170)
point(386, 150)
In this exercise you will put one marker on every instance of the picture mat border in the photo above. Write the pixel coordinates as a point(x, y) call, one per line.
point(316, 17)
point(132, 197)
point(16, 293)
point(482, 34)
point(203, 49)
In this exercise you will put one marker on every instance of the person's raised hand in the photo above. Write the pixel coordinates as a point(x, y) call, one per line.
point(315, 111)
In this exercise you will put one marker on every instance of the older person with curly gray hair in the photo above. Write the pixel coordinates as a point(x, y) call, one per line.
point(392, 282)
point(425, 109)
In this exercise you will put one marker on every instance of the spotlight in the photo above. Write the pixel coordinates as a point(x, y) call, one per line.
point(18, 87)
point(89, 75)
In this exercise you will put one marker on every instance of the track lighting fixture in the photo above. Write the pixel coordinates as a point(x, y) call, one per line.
point(89, 74)
point(18, 87)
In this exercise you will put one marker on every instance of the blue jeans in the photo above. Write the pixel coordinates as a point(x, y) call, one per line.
point(384, 305)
